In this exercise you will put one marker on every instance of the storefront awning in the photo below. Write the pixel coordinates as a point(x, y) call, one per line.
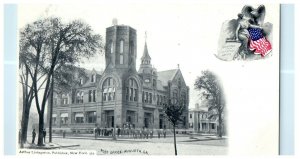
point(105, 90)
point(78, 115)
point(64, 115)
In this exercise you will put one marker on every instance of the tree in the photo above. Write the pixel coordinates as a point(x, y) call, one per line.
point(210, 89)
point(173, 112)
point(27, 97)
point(47, 45)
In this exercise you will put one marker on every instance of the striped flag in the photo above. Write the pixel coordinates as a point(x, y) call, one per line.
point(258, 43)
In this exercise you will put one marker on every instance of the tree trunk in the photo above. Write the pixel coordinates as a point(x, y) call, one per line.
point(220, 125)
point(24, 123)
point(175, 140)
point(41, 127)
point(51, 110)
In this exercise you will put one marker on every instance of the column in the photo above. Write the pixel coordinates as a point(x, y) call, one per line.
point(58, 118)
point(140, 118)
point(118, 111)
point(156, 119)
point(70, 117)
point(98, 115)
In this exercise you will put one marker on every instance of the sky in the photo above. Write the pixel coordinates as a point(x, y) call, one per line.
point(177, 33)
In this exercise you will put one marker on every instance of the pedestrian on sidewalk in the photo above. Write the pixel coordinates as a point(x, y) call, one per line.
point(64, 134)
point(44, 135)
point(33, 135)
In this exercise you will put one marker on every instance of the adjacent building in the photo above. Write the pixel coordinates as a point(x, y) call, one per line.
point(199, 120)
point(121, 94)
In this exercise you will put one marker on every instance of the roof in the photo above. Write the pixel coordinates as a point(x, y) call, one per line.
point(165, 76)
point(146, 54)
point(160, 86)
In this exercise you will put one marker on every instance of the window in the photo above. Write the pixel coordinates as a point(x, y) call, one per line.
point(64, 118)
point(129, 119)
point(127, 93)
point(191, 125)
point(111, 47)
point(109, 90)
point(191, 116)
point(132, 90)
point(121, 47)
point(154, 83)
point(79, 97)
point(64, 101)
point(54, 119)
point(212, 126)
point(150, 98)
point(135, 94)
point(55, 101)
point(121, 60)
point(91, 117)
point(143, 97)
point(94, 95)
point(78, 117)
point(161, 100)
point(81, 81)
point(90, 95)
point(131, 48)
point(93, 79)
point(131, 94)
point(146, 99)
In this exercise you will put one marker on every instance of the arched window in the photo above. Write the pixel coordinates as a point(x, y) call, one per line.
point(109, 89)
point(131, 90)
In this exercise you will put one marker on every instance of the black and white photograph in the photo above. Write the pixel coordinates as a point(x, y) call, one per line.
point(130, 78)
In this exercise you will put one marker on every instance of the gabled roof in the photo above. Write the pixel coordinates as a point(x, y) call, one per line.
point(165, 76)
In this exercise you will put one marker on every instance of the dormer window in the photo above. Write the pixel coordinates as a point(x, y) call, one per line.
point(93, 79)
point(81, 81)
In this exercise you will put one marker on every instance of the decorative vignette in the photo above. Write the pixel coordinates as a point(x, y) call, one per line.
point(246, 38)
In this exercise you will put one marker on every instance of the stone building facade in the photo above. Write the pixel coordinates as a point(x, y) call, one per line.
point(121, 94)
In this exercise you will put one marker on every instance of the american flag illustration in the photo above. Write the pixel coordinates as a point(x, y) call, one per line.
point(258, 43)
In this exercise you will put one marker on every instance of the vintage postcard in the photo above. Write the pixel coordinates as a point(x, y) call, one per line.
point(122, 78)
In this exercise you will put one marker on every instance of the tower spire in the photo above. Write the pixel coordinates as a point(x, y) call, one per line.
point(146, 59)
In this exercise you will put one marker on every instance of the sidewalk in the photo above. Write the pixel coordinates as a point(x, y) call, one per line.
point(47, 146)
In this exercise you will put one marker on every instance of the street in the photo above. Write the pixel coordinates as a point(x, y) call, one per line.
point(200, 145)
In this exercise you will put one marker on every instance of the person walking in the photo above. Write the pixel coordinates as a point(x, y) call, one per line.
point(33, 135)
point(44, 135)
point(165, 133)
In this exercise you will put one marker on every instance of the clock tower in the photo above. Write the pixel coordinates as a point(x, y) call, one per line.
point(146, 71)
